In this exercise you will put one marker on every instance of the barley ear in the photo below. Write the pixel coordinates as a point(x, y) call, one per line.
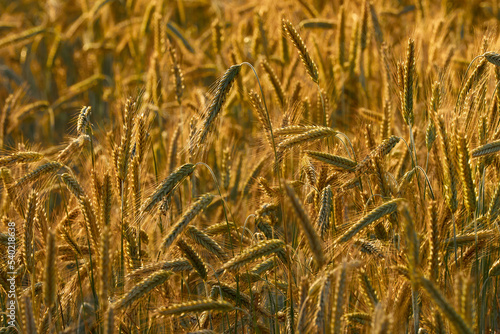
point(186, 218)
point(167, 186)
point(83, 120)
point(374, 215)
point(214, 110)
point(142, 289)
point(486, 149)
point(492, 57)
point(323, 220)
point(299, 44)
point(194, 258)
point(468, 185)
point(253, 253)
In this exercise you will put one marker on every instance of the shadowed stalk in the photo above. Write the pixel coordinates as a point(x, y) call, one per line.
point(454, 237)
point(121, 273)
point(278, 175)
point(322, 105)
point(492, 57)
point(225, 209)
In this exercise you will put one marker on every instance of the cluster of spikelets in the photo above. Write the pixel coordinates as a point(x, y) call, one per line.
point(321, 185)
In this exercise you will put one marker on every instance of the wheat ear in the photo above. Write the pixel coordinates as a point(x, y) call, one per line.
point(307, 137)
point(166, 187)
point(191, 212)
point(178, 265)
point(313, 239)
point(409, 74)
point(374, 215)
point(205, 241)
point(196, 307)
point(323, 220)
point(466, 173)
point(83, 119)
point(215, 108)
point(334, 160)
point(253, 253)
point(338, 304)
point(299, 44)
point(29, 316)
point(486, 149)
point(20, 157)
point(193, 258)
point(44, 169)
point(142, 288)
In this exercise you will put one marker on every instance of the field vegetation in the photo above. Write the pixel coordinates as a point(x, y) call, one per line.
point(197, 166)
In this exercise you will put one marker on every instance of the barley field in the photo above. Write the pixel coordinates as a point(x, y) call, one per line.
point(203, 166)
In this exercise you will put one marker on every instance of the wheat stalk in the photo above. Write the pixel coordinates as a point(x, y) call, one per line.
point(109, 321)
point(104, 267)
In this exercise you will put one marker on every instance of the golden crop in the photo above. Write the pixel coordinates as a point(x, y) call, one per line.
point(198, 166)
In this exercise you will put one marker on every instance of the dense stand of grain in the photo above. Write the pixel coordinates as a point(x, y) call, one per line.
point(250, 166)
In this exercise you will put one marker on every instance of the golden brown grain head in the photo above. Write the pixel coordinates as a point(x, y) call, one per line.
point(299, 44)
